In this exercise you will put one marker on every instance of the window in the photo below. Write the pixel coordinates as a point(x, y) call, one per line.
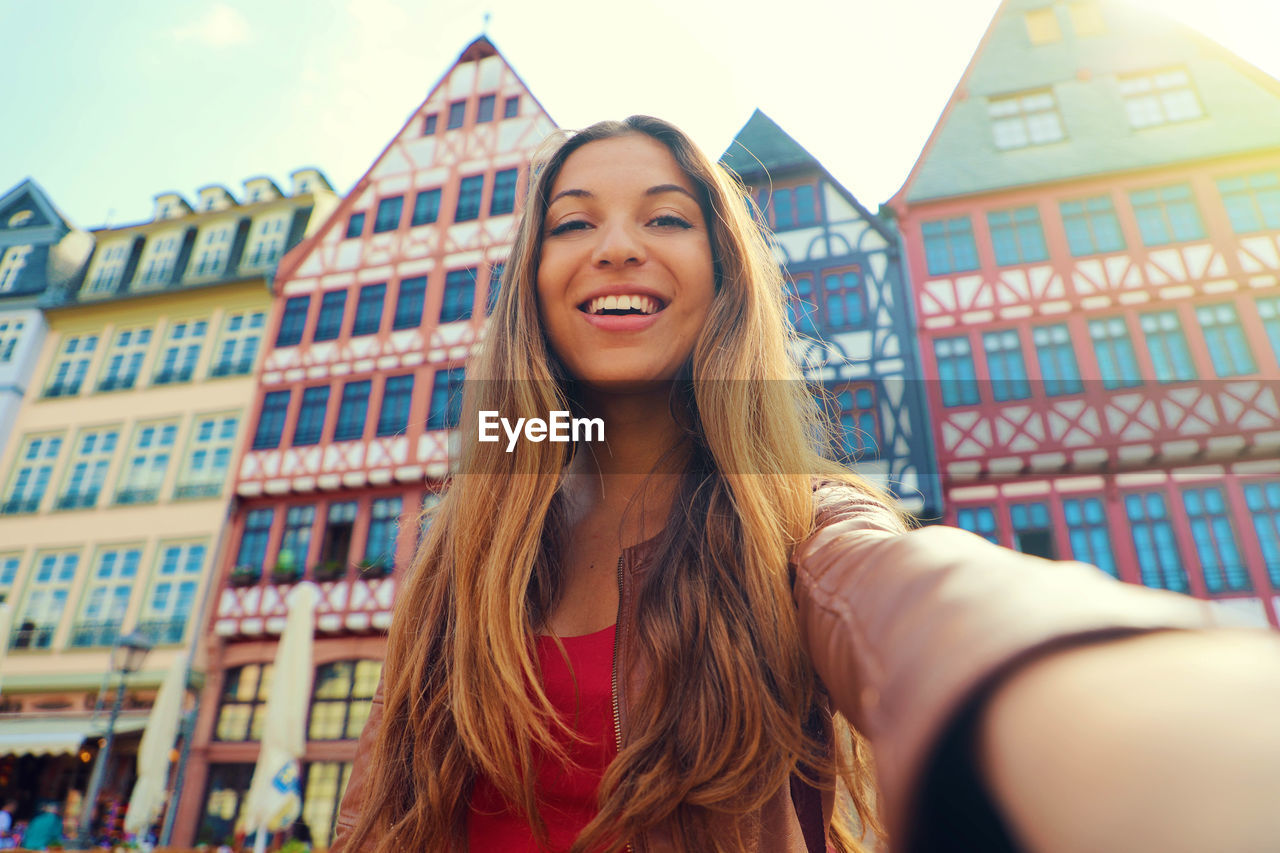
point(1263, 501)
point(397, 394)
point(208, 457)
point(1016, 236)
point(1252, 201)
point(107, 599)
point(11, 263)
point(329, 323)
point(1224, 570)
point(1042, 26)
point(158, 260)
point(8, 573)
point(801, 304)
point(511, 107)
point(293, 321)
point(1269, 311)
point(1159, 98)
point(860, 435)
point(326, 786)
point(1021, 121)
point(430, 500)
point(484, 108)
point(266, 243)
point(10, 334)
point(1032, 529)
point(409, 302)
point(955, 371)
point(369, 309)
point(1158, 557)
point(1057, 358)
point(1005, 366)
point(426, 207)
point(244, 699)
point(1167, 215)
point(1168, 346)
point(459, 295)
point(336, 545)
point(388, 218)
point(146, 463)
point(1086, 18)
point(181, 352)
point(1228, 346)
point(342, 697)
point(71, 365)
point(253, 541)
point(238, 349)
point(32, 474)
point(88, 470)
point(228, 786)
point(949, 247)
point(353, 411)
point(296, 542)
point(173, 593)
point(495, 287)
point(1091, 226)
point(980, 520)
point(504, 192)
point(1087, 533)
point(457, 114)
point(46, 599)
point(124, 359)
point(470, 193)
point(311, 416)
point(211, 251)
point(384, 524)
point(792, 206)
point(446, 399)
point(429, 124)
point(842, 297)
point(109, 268)
point(1117, 363)
point(275, 404)
point(355, 225)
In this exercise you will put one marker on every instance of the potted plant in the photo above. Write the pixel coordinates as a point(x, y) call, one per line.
point(329, 570)
point(286, 569)
point(374, 567)
point(245, 575)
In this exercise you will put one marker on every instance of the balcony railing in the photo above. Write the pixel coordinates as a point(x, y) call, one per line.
point(164, 631)
point(232, 368)
point(31, 636)
point(86, 634)
point(169, 377)
point(17, 506)
point(116, 383)
point(136, 496)
point(198, 490)
point(77, 500)
point(62, 389)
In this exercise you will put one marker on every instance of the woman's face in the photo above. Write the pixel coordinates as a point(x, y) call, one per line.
point(626, 278)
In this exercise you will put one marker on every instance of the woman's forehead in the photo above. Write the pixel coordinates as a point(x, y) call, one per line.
point(634, 162)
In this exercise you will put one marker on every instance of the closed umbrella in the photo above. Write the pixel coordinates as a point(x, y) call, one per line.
point(4, 639)
point(154, 750)
point(275, 798)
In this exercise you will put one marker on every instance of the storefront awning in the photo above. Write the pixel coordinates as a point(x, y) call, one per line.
point(53, 736)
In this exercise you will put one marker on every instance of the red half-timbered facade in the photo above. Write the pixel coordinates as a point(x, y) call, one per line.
point(374, 320)
point(1093, 233)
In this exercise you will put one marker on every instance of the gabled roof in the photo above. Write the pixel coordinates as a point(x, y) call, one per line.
point(46, 223)
point(1082, 70)
point(763, 146)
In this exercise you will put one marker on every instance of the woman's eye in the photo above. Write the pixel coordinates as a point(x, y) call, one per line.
point(670, 219)
point(565, 227)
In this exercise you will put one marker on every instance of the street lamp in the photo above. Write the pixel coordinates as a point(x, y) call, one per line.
point(126, 658)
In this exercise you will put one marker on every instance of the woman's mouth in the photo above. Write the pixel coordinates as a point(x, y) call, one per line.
point(622, 305)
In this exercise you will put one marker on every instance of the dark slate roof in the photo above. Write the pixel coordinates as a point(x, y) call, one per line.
point(1241, 104)
point(763, 146)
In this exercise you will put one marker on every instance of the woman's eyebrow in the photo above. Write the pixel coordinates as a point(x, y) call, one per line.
point(668, 188)
point(569, 194)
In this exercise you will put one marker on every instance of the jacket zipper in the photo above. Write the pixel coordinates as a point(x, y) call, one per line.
point(617, 641)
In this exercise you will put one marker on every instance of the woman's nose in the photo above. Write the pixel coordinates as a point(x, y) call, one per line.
point(618, 245)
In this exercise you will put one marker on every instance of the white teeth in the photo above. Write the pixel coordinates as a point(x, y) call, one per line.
point(646, 304)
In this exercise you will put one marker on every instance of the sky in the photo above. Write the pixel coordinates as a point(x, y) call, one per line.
point(107, 104)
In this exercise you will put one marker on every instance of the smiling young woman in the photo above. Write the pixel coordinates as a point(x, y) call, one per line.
point(685, 637)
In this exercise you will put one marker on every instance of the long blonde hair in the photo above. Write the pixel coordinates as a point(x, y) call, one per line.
point(727, 714)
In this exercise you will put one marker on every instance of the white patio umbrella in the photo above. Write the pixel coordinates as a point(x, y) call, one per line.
point(5, 616)
point(154, 750)
point(275, 795)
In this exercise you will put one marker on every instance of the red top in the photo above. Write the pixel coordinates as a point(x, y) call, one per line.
point(566, 800)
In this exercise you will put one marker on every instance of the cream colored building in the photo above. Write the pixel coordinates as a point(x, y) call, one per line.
point(113, 482)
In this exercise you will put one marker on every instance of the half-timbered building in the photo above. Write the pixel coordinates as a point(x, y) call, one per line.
point(1093, 233)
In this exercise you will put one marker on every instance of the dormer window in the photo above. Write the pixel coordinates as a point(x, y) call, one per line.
point(22, 217)
point(1029, 118)
point(1159, 97)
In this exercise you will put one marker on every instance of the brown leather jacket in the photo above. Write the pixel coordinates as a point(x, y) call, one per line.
point(904, 630)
